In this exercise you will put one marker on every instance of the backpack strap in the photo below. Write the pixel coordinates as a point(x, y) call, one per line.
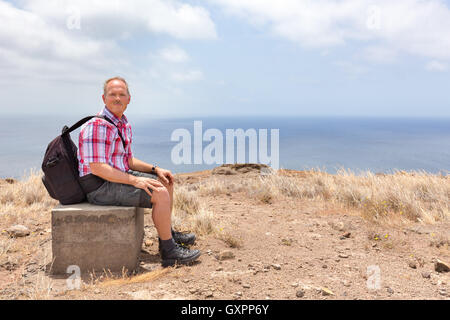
point(118, 131)
point(66, 130)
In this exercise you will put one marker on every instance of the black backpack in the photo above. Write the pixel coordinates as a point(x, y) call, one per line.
point(60, 166)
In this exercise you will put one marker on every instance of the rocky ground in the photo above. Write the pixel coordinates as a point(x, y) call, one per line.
point(284, 248)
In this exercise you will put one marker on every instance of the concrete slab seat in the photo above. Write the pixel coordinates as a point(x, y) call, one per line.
point(96, 238)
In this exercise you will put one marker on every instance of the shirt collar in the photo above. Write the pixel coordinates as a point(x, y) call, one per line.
point(113, 117)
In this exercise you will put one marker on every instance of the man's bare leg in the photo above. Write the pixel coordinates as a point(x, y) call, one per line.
point(170, 188)
point(161, 213)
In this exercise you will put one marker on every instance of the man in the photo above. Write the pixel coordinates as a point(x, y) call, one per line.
point(111, 175)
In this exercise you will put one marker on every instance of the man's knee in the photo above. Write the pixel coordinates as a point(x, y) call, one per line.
point(160, 196)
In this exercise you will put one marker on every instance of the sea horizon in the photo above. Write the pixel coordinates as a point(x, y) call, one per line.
point(358, 143)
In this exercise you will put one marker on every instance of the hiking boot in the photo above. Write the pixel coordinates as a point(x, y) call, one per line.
point(179, 255)
point(185, 239)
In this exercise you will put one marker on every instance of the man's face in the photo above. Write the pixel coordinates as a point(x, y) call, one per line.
point(116, 97)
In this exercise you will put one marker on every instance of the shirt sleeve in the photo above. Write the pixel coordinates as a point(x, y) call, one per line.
point(96, 143)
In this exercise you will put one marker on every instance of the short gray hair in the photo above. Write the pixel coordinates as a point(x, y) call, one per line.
point(115, 78)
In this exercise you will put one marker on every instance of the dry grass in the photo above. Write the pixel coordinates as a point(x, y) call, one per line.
point(406, 196)
point(26, 192)
point(414, 196)
point(190, 214)
point(229, 239)
point(109, 280)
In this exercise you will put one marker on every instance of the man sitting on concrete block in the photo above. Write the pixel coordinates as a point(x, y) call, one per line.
point(112, 176)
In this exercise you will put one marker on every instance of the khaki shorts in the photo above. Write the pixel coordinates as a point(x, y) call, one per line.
point(118, 194)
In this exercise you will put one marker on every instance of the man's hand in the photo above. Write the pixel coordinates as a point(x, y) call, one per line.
point(146, 184)
point(165, 176)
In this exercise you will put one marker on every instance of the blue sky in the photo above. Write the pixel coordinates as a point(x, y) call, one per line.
point(228, 57)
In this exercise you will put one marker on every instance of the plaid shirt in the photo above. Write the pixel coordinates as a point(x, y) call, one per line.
point(99, 141)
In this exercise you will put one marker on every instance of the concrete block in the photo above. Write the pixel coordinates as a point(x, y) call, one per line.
point(96, 237)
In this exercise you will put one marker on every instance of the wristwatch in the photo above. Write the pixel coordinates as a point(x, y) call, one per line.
point(154, 169)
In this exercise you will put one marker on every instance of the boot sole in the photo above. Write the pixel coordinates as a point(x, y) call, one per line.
point(186, 261)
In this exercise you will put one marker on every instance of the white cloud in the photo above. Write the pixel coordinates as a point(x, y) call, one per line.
point(173, 54)
point(121, 18)
point(414, 27)
point(436, 66)
point(80, 40)
point(30, 47)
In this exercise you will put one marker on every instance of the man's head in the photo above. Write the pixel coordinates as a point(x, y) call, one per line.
point(116, 95)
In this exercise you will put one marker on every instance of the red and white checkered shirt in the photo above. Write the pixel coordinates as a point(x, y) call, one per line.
point(99, 141)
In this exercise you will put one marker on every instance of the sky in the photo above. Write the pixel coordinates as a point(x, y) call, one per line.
point(228, 57)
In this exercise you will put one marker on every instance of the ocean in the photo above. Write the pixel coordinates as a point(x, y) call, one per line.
point(325, 143)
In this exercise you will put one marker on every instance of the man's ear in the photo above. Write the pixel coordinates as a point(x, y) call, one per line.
point(103, 97)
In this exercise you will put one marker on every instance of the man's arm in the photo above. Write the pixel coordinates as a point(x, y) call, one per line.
point(138, 165)
point(106, 172)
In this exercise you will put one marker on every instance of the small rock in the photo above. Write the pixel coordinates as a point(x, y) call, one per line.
point(412, 264)
point(338, 226)
point(324, 266)
point(443, 292)
point(17, 231)
point(209, 294)
point(426, 274)
point(441, 266)
point(226, 254)
point(238, 294)
point(294, 284)
point(276, 266)
point(389, 290)
point(300, 293)
point(327, 292)
point(246, 286)
point(192, 290)
point(343, 255)
point(148, 243)
point(345, 283)
point(219, 269)
point(347, 234)
point(441, 283)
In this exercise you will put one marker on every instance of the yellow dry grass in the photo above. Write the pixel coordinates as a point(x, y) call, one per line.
point(190, 213)
point(407, 196)
point(110, 281)
point(414, 196)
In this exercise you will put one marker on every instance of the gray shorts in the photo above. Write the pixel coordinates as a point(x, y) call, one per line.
point(118, 194)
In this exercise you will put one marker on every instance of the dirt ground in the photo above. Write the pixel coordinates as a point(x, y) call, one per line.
point(286, 249)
